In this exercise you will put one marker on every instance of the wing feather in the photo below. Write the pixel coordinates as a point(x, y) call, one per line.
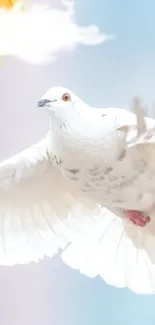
point(39, 210)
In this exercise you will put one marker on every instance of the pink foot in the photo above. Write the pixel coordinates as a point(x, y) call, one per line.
point(138, 218)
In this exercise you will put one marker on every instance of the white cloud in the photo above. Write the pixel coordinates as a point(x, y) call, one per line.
point(39, 33)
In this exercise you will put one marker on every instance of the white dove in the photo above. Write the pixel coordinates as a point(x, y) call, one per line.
point(88, 189)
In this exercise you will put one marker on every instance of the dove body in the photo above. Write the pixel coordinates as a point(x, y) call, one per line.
point(88, 148)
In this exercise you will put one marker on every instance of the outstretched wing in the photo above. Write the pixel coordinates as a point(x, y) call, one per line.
point(39, 210)
point(140, 142)
point(138, 129)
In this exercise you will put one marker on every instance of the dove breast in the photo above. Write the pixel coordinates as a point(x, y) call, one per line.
point(92, 153)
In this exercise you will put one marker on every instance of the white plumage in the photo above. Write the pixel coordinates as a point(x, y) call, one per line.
point(75, 188)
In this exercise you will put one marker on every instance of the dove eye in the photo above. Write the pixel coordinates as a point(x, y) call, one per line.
point(66, 97)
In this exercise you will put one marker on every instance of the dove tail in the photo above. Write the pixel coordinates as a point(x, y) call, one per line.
point(119, 251)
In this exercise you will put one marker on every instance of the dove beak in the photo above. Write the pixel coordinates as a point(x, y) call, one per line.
point(45, 102)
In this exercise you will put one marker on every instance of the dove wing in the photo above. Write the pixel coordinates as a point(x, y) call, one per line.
point(39, 211)
point(140, 140)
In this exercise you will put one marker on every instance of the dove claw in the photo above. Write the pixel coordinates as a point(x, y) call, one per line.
point(138, 218)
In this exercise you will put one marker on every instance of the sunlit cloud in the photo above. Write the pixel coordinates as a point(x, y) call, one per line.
point(37, 34)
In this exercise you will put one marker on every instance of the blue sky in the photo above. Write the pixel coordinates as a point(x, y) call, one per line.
point(122, 67)
point(86, 301)
point(109, 74)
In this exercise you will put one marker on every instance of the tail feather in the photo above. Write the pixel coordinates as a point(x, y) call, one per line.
point(120, 260)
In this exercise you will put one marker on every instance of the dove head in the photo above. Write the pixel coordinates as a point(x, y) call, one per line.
point(61, 102)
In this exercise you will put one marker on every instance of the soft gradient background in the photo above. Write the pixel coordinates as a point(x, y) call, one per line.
point(50, 292)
